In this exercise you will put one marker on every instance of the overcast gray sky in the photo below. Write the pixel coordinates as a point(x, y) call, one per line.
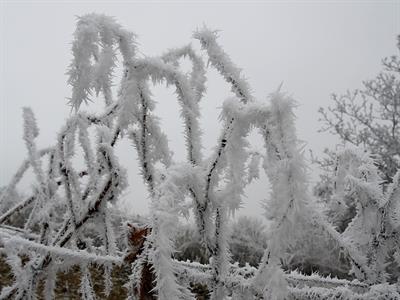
point(314, 48)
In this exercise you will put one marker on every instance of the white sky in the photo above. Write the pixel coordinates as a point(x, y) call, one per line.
point(315, 48)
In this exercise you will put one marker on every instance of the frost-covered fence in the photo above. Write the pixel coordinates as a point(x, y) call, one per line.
point(68, 219)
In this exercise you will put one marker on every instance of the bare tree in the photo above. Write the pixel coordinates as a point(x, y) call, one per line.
point(370, 116)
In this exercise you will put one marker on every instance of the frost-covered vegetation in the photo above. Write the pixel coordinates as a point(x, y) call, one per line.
point(70, 221)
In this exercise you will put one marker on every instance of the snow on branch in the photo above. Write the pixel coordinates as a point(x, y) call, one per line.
point(69, 256)
point(222, 62)
point(370, 231)
point(166, 207)
point(198, 74)
point(94, 46)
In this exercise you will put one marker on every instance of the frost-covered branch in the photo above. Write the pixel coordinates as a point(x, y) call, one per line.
point(68, 213)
